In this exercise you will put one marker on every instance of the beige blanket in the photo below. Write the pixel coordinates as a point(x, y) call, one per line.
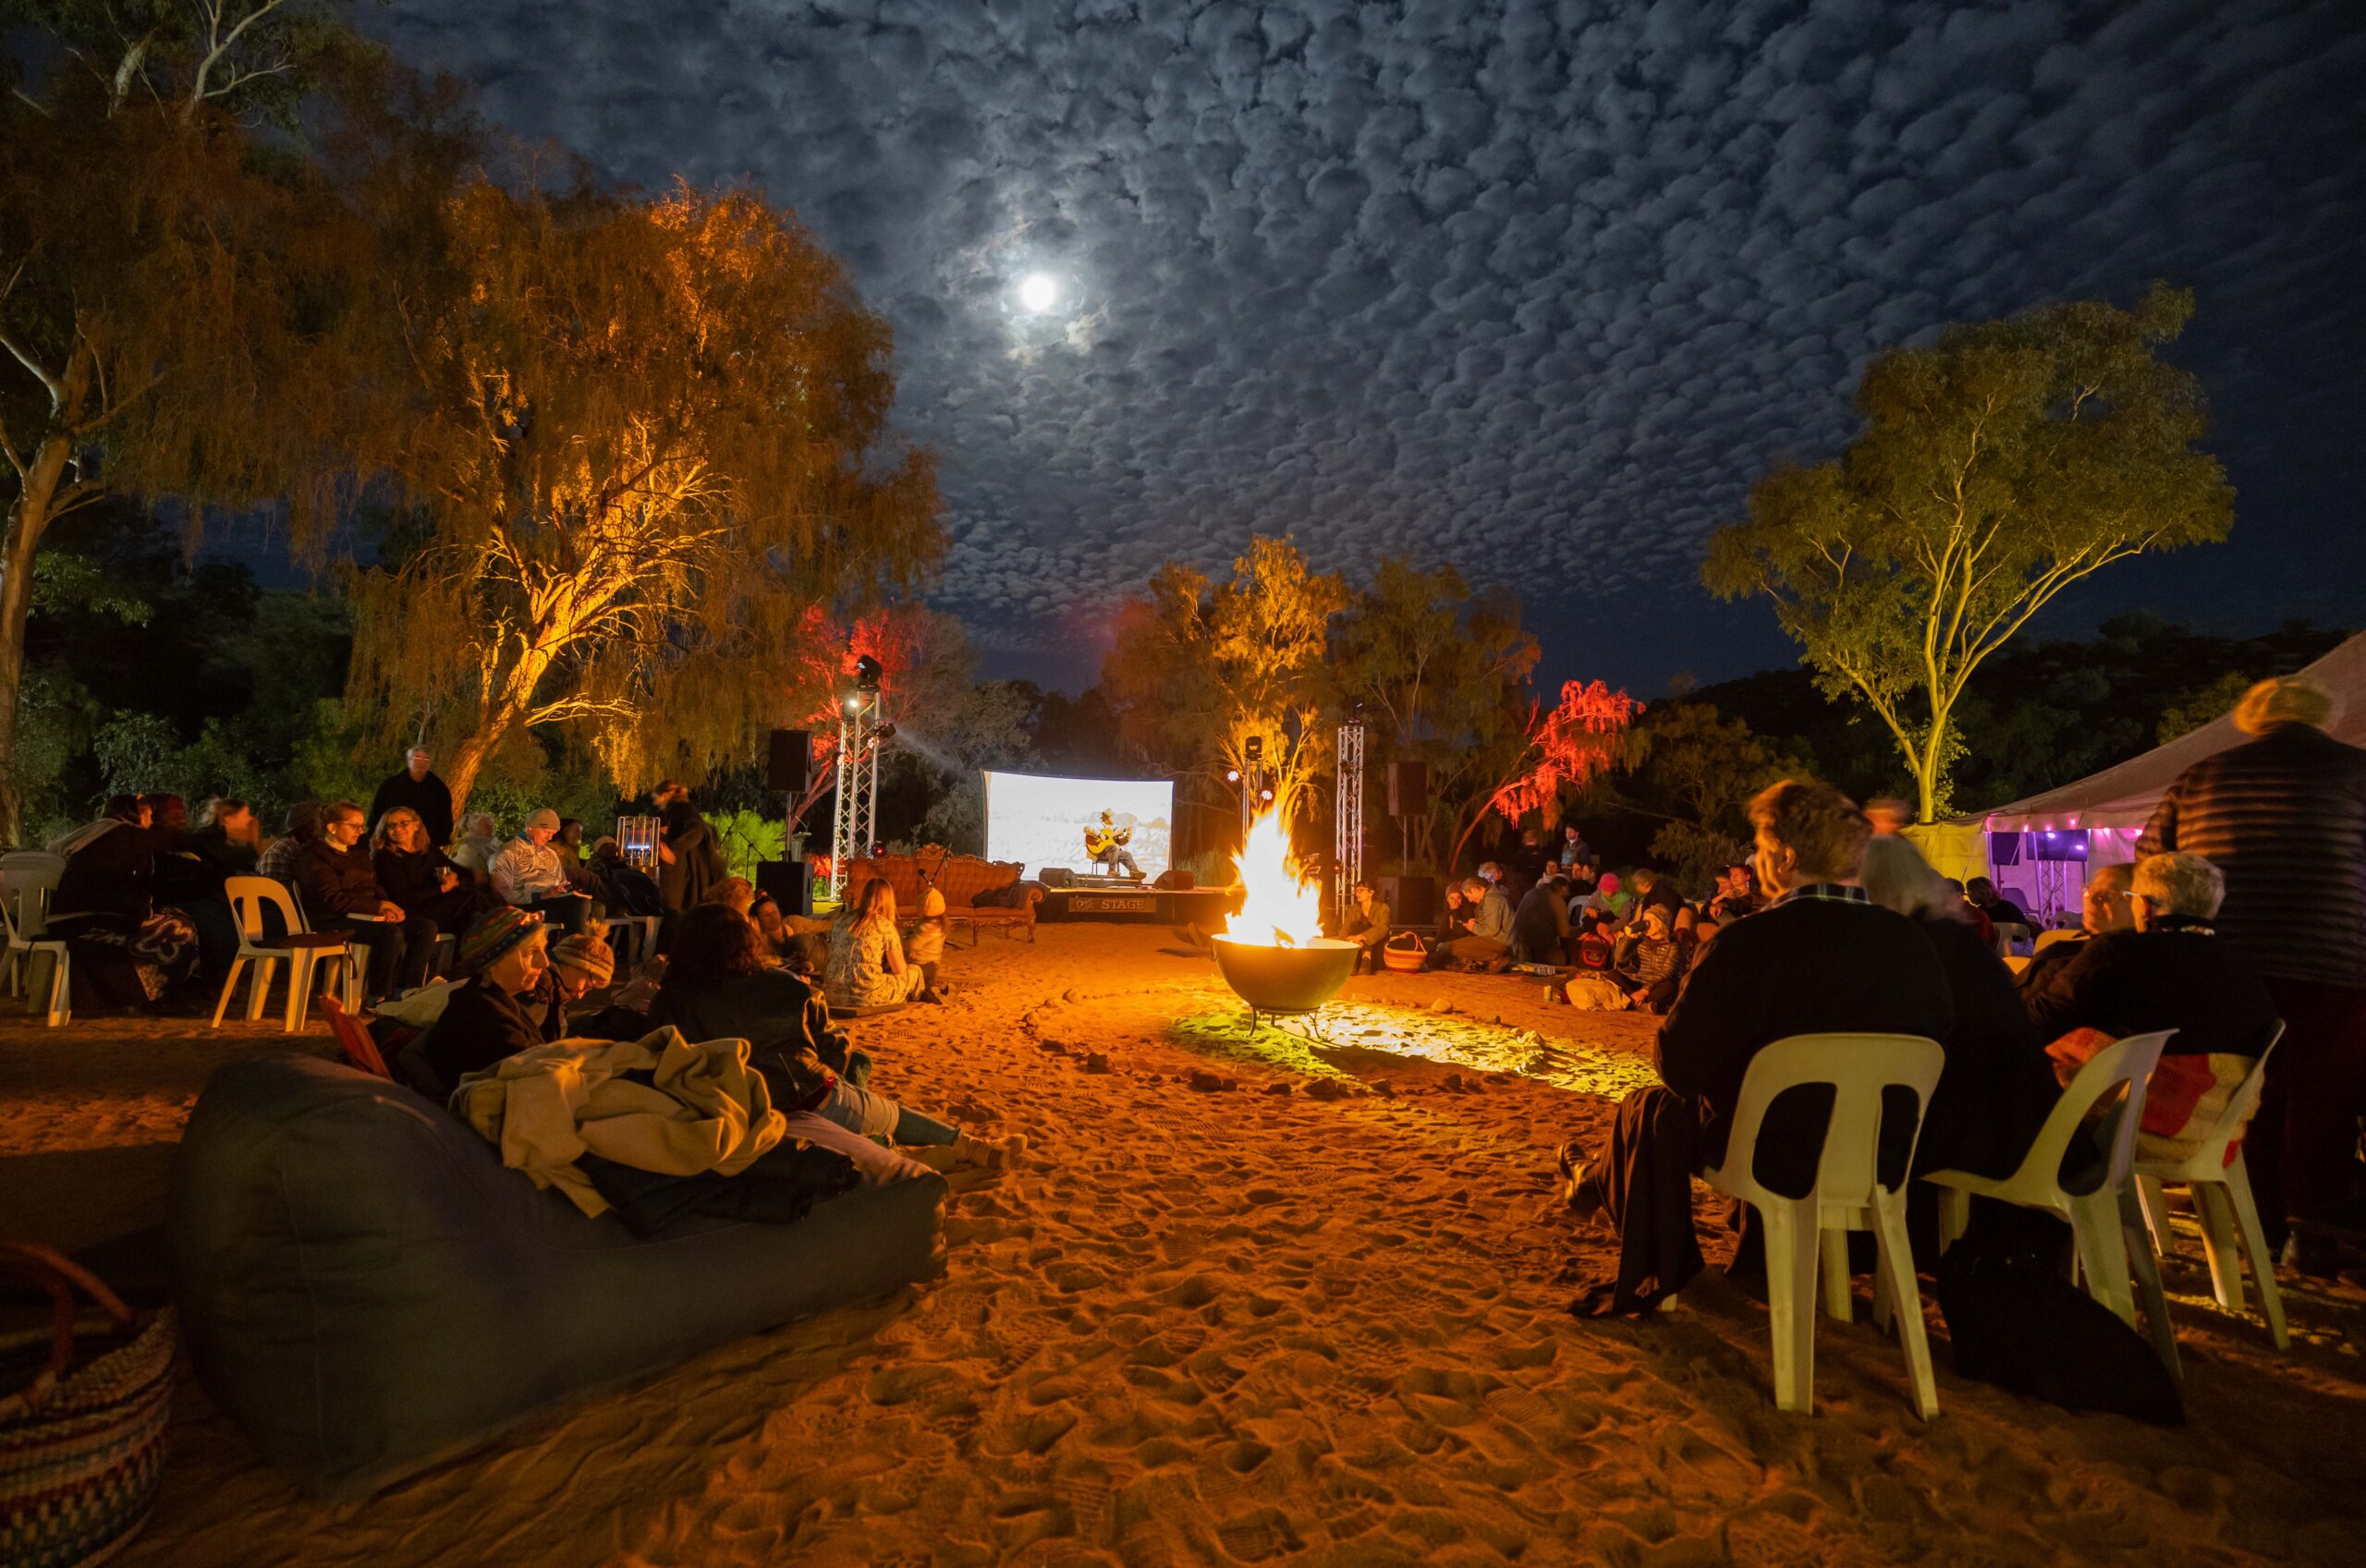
point(706, 1110)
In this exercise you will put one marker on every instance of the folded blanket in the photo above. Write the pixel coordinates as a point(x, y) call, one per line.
point(659, 1104)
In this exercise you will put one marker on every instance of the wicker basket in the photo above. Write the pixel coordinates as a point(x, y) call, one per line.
point(1408, 958)
point(83, 1411)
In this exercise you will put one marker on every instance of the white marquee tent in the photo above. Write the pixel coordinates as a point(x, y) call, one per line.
point(2124, 796)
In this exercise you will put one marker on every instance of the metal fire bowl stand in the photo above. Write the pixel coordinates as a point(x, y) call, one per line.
point(1285, 981)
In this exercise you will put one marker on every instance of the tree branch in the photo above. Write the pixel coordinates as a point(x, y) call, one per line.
point(56, 388)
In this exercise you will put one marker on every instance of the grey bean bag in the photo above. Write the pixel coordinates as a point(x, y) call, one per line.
point(366, 1291)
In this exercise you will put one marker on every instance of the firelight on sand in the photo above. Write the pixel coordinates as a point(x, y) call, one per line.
point(1280, 908)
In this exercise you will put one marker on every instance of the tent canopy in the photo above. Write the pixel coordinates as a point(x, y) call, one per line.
point(2125, 794)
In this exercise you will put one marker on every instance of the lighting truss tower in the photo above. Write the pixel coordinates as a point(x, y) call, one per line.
point(1347, 859)
point(857, 786)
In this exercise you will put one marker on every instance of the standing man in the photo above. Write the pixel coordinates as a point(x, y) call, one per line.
point(1576, 855)
point(689, 863)
point(2283, 816)
point(417, 788)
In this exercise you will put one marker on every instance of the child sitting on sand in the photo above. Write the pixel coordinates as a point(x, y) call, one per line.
point(926, 948)
point(1652, 962)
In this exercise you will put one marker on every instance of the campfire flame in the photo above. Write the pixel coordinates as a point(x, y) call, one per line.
point(1281, 908)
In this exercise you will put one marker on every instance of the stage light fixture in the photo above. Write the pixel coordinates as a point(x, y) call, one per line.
point(1255, 750)
point(1232, 776)
point(867, 672)
point(1266, 796)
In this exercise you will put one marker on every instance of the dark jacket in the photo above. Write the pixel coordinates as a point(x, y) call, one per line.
point(2134, 982)
point(1539, 926)
point(2284, 819)
point(483, 1026)
point(430, 797)
point(113, 874)
point(774, 1011)
point(332, 882)
point(697, 869)
point(1997, 1086)
point(1805, 966)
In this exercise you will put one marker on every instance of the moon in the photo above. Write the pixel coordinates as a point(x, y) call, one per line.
point(1038, 292)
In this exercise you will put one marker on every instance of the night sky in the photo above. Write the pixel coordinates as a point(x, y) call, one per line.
point(1534, 288)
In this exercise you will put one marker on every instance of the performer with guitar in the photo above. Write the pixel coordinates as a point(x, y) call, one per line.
point(1105, 845)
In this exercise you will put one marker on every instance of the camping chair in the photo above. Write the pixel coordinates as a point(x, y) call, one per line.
point(2221, 1185)
point(1847, 1195)
point(2101, 1210)
point(304, 950)
point(23, 909)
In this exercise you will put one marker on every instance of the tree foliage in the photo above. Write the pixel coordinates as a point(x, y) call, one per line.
point(1995, 468)
point(646, 441)
point(1562, 748)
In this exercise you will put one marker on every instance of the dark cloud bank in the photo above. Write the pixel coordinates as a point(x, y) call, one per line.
point(1536, 288)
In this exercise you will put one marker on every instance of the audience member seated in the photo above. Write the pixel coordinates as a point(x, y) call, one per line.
point(119, 809)
point(495, 1015)
point(582, 965)
point(1651, 960)
point(128, 950)
point(1576, 855)
point(867, 966)
point(527, 873)
point(339, 892)
point(1651, 888)
point(2102, 907)
point(1488, 938)
point(1606, 907)
point(1454, 914)
point(1980, 920)
point(1367, 925)
point(1998, 1086)
point(2000, 910)
point(924, 950)
point(228, 837)
point(801, 941)
point(190, 871)
point(1539, 925)
point(582, 876)
point(1819, 959)
point(718, 986)
point(423, 878)
point(631, 888)
point(474, 849)
point(417, 789)
point(2170, 972)
point(300, 827)
point(1736, 895)
point(737, 892)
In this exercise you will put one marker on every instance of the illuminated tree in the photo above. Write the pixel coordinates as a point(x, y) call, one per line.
point(649, 439)
point(1996, 467)
point(1561, 749)
point(1200, 673)
point(171, 322)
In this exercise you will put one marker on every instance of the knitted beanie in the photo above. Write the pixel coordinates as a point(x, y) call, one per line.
point(587, 956)
point(495, 934)
point(932, 904)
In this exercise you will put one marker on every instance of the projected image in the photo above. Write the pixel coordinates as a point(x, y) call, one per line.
point(1040, 821)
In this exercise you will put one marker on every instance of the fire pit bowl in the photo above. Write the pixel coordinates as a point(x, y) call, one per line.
point(1285, 980)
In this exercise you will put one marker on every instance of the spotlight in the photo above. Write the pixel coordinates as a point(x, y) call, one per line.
point(854, 704)
point(867, 672)
point(1232, 776)
point(1266, 796)
point(883, 732)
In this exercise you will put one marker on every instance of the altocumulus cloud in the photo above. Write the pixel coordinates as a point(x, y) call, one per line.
point(1537, 288)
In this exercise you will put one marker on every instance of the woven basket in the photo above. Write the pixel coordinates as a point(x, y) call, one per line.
point(81, 1441)
point(1408, 959)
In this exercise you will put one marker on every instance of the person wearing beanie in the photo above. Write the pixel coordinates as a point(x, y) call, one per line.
point(527, 873)
point(579, 965)
point(493, 1016)
point(925, 948)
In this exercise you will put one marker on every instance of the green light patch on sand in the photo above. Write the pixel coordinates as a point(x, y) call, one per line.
point(1451, 1039)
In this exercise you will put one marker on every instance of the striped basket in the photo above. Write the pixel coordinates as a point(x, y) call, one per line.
point(81, 1445)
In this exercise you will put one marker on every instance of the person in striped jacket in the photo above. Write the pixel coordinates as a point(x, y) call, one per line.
point(2283, 816)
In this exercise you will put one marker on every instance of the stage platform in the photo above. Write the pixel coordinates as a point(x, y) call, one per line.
point(1117, 899)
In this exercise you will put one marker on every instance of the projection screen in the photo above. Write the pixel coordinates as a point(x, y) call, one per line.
point(1039, 822)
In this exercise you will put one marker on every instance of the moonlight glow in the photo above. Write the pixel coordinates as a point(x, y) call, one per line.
point(1038, 292)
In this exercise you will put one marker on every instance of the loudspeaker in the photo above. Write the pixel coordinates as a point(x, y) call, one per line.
point(1056, 876)
point(1409, 791)
point(1175, 881)
point(787, 766)
point(1412, 900)
point(2005, 849)
point(790, 883)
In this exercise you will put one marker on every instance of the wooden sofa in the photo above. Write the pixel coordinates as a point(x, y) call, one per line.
point(960, 878)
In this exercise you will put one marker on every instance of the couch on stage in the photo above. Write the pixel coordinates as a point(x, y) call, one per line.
point(978, 893)
point(366, 1290)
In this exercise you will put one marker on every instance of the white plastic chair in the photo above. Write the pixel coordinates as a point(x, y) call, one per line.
point(2221, 1185)
point(28, 877)
point(24, 899)
point(1847, 1195)
point(2100, 1215)
point(248, 896)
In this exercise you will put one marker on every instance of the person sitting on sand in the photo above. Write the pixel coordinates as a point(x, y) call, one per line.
point(925, 951)
point(867, 964)
point(1541, 924)
point(718, 985)
point(1651, 961)
point(1819, 959)
point(1489, 937)
point(1606, 907)
point(1736, 895)
point(1367, 925)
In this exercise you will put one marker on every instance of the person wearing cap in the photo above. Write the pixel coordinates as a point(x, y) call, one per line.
point(527, 874)
point(2283, 818)
point(493, 1016)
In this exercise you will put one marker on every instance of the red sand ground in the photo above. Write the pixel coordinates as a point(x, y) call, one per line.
point(1227, 1325)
